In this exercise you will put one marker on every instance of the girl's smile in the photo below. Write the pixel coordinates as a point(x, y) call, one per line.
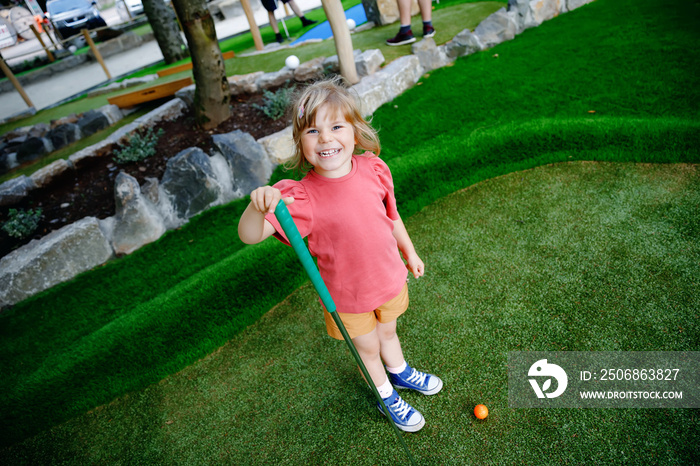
point(328, 145)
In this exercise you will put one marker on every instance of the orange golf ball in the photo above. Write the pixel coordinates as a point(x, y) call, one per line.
point(481, 411)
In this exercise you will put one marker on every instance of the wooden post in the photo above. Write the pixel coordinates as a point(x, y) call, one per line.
point(88, 39)
point(41, 41)
point(343, 42)
point(8, 72)
point(254, 30)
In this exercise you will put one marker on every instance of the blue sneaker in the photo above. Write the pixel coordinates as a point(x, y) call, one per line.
point(427, 384)
point(404, 416)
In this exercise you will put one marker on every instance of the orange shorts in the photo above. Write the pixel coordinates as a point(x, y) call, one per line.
point(362, 324)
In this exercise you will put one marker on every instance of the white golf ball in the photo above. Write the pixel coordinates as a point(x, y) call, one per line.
point(72, 49)
point(292, 62)
point(351, 24)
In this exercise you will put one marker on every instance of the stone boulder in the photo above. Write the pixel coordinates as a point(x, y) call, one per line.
point(189, 185)
point(12, 191)
point(244, 83)
point(279, 146)
point(92, 121)
point(8, 161)
point(496, 28)
point(464, 43)
point(369, 62)
point(521, 13)
point(429, 54)
point(573, 4)
point(275, 79)
point(386, 84)
point(247, 159)
point(55, 258)
point(65, 134)
point(137, 221)
point(33, 148)
point(310, 70)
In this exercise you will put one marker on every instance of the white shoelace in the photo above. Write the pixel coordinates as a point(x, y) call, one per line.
point(417, 377)
point(401, 408)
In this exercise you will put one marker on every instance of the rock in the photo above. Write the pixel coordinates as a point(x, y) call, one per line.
point(387, 83)
point(332, 65)
point(12, 191)
point(245, 83)
point(73, 118)
point(150, 190)
point(464, 43)
point(112, 112)
point(44, 176)
point(8, 161)
point(186, 94)
point(275, 79)
point(65, 134)
point(33, 148)
point(430, 56)
point(279, 146)
point(521, 14)
point(189, 185)
point(92, 121)
point(368, 62)
point(136, 222)
point(310, 70)
point(57, 257)
point(247, 159)
point(544, 10)
point(39, 130)
point(496, 28)
point(573, 4)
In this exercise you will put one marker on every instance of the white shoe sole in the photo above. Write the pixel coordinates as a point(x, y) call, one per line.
point(413, 428)
point(403, 42)
point(424, 392)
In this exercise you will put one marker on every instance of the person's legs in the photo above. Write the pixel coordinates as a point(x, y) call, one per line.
point(389, 344)
point(297, 11)
point(368, 347)
point(273, 22)
point(426, 10)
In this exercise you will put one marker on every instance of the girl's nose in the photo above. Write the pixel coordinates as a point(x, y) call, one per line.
point(324, 136)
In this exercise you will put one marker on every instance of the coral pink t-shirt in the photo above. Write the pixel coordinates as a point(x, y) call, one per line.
point(349, 224)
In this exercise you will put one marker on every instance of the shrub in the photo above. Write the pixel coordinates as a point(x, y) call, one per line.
point(22, 223)
point(139, 147)
point(275, 103)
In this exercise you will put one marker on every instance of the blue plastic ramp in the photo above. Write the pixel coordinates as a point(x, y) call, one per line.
point(323, 30)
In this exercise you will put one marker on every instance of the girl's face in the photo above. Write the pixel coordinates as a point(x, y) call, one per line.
point(328, 145)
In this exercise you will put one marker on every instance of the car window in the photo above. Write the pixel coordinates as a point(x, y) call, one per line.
point(65, 5)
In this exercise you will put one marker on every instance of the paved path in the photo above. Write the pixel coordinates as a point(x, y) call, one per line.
point(67, 84)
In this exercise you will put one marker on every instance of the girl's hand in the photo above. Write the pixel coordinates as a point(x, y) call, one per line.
point(415, 265)
point(266, 198)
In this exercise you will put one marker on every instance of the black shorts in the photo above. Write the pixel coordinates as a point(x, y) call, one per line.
point(271, 5)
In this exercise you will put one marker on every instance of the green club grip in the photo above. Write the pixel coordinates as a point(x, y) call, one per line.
point(292, 232)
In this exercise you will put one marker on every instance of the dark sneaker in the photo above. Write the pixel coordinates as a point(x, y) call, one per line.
point(427, 384)
point(401, 38)
point(278, 37)
point(428, 31)
point(307, 22)
point(404, 416)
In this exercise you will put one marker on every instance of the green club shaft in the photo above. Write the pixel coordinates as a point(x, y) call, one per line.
point(302, 252)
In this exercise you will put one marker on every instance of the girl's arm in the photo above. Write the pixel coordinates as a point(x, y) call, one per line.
point(413, 262)
point(253, 228)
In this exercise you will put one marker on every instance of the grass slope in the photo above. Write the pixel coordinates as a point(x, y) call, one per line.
point(574, 256)
point(137, 320)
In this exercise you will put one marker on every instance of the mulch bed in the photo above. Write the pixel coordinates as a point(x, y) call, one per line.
point(89, 191)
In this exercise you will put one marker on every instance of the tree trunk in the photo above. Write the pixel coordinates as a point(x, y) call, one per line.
point(212, 95)
point(165, 30)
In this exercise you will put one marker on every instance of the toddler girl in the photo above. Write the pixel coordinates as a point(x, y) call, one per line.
point(345, 205)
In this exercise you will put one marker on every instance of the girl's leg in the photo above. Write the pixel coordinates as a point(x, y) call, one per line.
point(368, 347)
point(389, 344)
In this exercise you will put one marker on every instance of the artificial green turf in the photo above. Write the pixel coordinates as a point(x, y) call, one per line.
point(136, 320)
point(576, 256)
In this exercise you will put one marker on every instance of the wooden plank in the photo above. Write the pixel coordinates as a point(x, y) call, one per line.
point(188, 66)
point(157, 91)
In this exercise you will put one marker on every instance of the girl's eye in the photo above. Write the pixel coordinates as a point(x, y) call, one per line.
point(310, 131)
point(337, 127)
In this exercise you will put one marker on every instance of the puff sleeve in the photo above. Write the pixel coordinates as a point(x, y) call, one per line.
point(381, 170)
point(300, 209)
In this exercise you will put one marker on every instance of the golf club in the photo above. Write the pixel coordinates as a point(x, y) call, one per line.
point(290, 229)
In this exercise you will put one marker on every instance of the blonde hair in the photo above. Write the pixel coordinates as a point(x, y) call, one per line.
point(334, 93)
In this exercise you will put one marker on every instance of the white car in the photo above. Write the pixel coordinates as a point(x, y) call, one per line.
point(135, 9)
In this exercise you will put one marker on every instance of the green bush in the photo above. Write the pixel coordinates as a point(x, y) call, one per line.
point(22, 223)
point(275, 104)
point(139, 148)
